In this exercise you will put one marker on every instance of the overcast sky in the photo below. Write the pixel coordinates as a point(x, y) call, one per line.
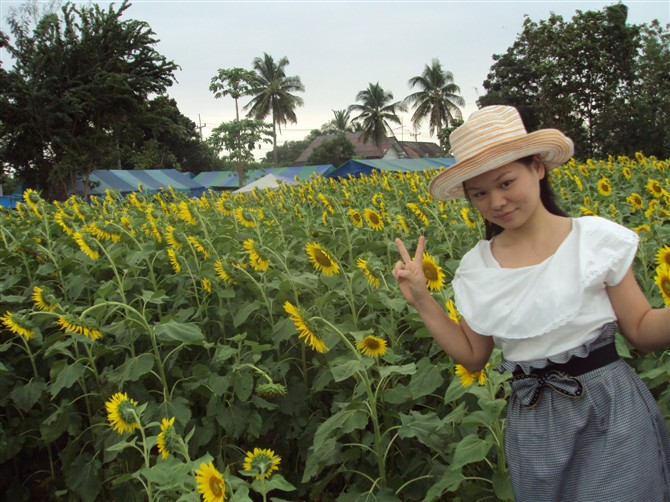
point(338, 47)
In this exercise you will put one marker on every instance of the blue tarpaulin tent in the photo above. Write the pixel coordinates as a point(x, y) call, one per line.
point(229, 180)
point(151, 180)
point(356, 167)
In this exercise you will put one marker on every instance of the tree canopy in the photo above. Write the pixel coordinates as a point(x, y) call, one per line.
point(335, 151)
point(601, 81)
point(78, 83)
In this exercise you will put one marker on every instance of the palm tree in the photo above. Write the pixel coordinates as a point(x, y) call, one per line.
point(271, 91)
point(340, 123)
point(438, 99)
point(375, 112)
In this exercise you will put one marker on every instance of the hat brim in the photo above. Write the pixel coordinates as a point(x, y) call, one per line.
point(553, 147)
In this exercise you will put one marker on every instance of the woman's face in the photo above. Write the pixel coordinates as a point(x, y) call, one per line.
point(509, 195)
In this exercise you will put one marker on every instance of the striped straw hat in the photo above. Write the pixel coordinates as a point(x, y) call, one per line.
point(492, 137)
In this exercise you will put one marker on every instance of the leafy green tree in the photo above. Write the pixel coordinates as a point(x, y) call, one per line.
point(437, 98)
point(584, 76)
point(376, 110)
point(289, 151)
point(271, 90)
point(233, 82)
point(443, 136)
point(334, 151)
point(162, 137)
point(240, 138)
point(77, 83)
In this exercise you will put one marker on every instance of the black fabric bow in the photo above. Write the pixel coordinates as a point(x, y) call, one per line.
point(528, 388)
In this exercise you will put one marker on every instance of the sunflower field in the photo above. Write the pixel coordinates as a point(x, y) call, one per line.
point(255, 347)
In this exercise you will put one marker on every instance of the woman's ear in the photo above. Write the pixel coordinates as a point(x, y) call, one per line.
point(539, 166)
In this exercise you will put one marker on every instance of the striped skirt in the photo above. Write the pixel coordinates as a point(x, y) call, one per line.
point(607, 442)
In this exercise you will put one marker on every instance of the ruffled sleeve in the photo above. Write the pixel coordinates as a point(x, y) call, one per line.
point(612, 249)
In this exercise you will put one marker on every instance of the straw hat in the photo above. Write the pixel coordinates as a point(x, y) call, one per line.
point(492, 137)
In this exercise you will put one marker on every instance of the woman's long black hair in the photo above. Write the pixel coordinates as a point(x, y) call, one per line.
point(547, 196)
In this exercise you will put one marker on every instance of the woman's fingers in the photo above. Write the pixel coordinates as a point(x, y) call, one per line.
point(418, 255)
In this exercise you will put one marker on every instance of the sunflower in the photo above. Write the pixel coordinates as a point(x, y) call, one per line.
point(85, 247)
point(642, 228)
point(174, 260)
point(17, 324)
point(663, 256)
point(165, 437)
point(59, 218)
point(421, 216)
point(467, 378)
point(578, 182)
point(222, 273)
point(44, 300)
point(372, 346)
point(651, 209)
point(32, 198)
point(121, 413)
point(303, 329)
point(374, 220)
point(171, 238)
point(245, 217)
point(271, 390)
point(355, 217)
point(326, 203)
point(70, 324)
point(604, 187)
point(433, 272)
point(373, 280)
point(627, 173)
point(402, 224)
point(207, 284)
point(321, 259)
point(184, 213)
point(255, 259)
point(225, 206)
point(261, 462)
point(662, 280)
point(465, 214)
point(210, 483)
point(655, 188)
point(198, 246)
point(635, 200)
point(451, 310)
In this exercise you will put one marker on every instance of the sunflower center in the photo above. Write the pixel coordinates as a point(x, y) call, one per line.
point(126, 412)
point(430, 272)
point(322, 258)
point(372, 344)
point(374, 218)
point(665, 286)
point(216, 486)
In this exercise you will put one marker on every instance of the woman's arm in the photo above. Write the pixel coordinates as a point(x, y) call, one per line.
point(646, 328)
point(467, 347)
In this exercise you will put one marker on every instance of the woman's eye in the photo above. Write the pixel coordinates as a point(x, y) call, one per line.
point(506, 183)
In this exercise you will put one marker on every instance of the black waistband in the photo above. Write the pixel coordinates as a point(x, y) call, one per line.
point(579, 365)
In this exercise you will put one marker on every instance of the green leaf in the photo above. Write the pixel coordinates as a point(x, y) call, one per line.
point(25, 396)
point(122, 445)
point(405, 369)
point(470, 449)
point(243, 385)
point(56, 423)
point(343, 370)
point(243, 314)
point(342, 422)
point(223, 353)
point(502, 486)
point(449, 482)
point(275, 482)
point(83, 476)
point(320, 455)
point(187, 333)
point(132, 369)
point(428, 428)
point(426, 380)
point(66, 377)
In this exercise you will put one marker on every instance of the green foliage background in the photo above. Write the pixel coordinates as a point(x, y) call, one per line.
point(198, 343)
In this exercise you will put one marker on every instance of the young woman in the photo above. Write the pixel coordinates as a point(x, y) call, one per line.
point(550, 291)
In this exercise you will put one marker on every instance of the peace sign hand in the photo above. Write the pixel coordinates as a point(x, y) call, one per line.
point(408, 272)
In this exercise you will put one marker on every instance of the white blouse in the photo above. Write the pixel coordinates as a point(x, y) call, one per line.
point(559, 304)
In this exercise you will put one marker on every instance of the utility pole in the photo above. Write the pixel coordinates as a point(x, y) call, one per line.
point(200, 126)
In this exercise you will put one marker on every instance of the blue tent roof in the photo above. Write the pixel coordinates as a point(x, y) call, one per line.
point(356, 167)
point(228, 179)
point(151, 180)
